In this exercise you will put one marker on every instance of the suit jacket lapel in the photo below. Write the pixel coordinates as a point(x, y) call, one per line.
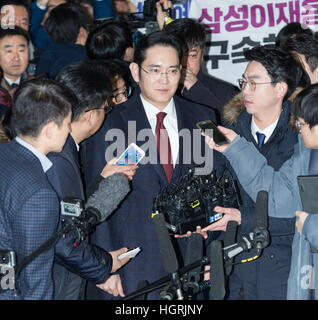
point(4, 84)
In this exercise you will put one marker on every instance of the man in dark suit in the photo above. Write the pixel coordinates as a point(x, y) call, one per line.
point(91, 84)
point(197, 86)
point(156, 68)
point(67, 27)
point(113, 40)
point(28, 205)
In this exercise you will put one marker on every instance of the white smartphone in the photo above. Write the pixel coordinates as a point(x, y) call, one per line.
point(132, 155)
point(131, 253)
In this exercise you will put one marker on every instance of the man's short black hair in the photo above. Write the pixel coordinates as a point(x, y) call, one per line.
point(157, 38)
point(291, 30)
point(280, 65)
point(90, 82)
point(190, 32)
point(38, 102)
point(65, 21)
point(305, 105)
point(109, 40)
point(115, 70)
point(16, 31)
point(306, 45)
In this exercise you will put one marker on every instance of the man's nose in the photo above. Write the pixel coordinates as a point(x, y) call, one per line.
point(16, 55)
point(164, 77)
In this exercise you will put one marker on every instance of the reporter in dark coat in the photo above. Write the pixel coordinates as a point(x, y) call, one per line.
point(28, 205)
point(67, 27)
point(91, 84)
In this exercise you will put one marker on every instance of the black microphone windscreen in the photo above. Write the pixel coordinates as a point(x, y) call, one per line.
point(111, 191)
point(217, 278)
point(168, 254)
point(261, 210)
point(229, 239)
point(230, 233)
point(194, 250)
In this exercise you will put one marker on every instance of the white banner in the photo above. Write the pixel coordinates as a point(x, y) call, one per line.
point(237, 25)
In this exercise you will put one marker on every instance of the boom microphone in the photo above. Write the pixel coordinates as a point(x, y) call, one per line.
point(111, 191)
point(261, 210)
point(217, 278)
point(229, 240)
point(194, 253)
point(261, 235)
point(233, 250)
point(170, 262)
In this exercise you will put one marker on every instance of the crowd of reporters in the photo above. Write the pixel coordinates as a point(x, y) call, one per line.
point(68, 79)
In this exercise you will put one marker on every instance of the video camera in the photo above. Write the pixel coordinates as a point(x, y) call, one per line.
point(147, 19)
point(7, 258)
point(150, 11)
point(191, 202)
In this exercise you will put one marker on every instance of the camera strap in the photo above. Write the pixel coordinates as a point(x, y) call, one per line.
point(51, 242)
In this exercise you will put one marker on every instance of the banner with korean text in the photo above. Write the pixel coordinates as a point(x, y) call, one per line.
point(233, 26)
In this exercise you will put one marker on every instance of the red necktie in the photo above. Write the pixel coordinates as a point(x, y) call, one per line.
point(163, 146)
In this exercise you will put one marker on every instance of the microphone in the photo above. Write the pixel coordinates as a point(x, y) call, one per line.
point(194, 253)
point(217, 278)
point(229, 240)
point(260, 233)
point(111, 191)
point(232, 250)
point(170, 262)
point(259, 238)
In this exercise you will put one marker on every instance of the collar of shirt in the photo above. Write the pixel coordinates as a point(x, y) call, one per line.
point(170, 122)
point(77, 146)
point(44, 160)
point(10, 81)
point(267, 131)
point(151, 112)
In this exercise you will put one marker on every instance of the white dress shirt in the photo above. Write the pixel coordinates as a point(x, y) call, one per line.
point(10, 81)
point(170, 122)
point(45, 161)
point(267, 131)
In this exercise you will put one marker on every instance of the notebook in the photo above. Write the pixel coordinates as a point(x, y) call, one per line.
point(308, 189)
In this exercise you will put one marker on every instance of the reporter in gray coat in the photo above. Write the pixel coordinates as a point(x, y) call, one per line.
point(255, 174)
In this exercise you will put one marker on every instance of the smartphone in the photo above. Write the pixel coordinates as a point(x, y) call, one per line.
point(132, 155)
point(218, 137)
point(131, 253)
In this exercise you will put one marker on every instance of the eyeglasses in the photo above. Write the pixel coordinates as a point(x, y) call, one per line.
point(156, 72)
point(122, 95)
point(298, 124)
point(251, 84)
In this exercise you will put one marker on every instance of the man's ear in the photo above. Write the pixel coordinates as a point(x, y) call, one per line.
point(86, 117)
point(281, 88)
point(315, 74)
point(82, 36)
point(134, 69)
point(129, 54)
point(48, 130)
